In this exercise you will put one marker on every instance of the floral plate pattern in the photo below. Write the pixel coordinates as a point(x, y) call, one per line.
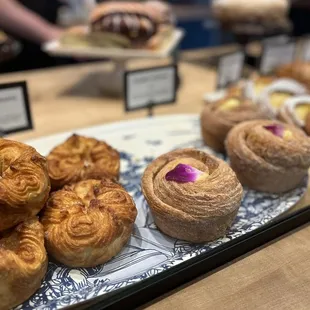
point(148, 252)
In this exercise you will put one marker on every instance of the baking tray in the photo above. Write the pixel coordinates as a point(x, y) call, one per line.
point(54, 48)
point(152, 263)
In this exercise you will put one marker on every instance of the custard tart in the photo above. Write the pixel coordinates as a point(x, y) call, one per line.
point(87, 223)
point(193, 196)
point(269, 156)
point(24, 183)
point(81, 158)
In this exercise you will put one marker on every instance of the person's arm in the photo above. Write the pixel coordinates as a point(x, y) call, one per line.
point(18, 20)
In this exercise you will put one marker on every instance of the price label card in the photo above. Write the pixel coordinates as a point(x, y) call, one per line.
point(14, 108)
point(230, 69)
point(150, 87)
point(280, 39)
point(305, 51)
point(275, 55)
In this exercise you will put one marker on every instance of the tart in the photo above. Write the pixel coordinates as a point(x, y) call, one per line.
point(193, 196)
point(295, 111)
point(24, 183)
point(275, 96)
point(89, 222)
point(80, 158)
point(23, 262)
point(218, 118)
point(269, 156)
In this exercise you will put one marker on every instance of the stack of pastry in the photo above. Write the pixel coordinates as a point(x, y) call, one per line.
point(24, 189)
point(125, 24)
point(219, 117)
point(87, 219)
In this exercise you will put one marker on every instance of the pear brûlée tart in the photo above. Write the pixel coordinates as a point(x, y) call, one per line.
point(193, 196)
point(269, 156)
point(219, 117)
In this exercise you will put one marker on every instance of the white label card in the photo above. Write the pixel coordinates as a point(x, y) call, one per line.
point(14, 108)
point(230, 69)
point(275, 55)
point(150, 87)
point(280, 39)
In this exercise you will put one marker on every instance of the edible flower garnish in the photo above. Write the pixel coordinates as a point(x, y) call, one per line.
point(279, 131)
point(276, 129)
point(183, 174)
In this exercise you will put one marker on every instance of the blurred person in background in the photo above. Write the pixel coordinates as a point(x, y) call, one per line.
point(32, 23)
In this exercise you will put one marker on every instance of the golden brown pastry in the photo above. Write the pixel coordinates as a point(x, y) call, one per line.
point(219, 117)
point(24, 183)
point(193, 196)
point(80, 158)
point(88, 223)
point(295, 111)
point(307, 124)
point(23, 262)
point(299, 71)
point(275, 96)
point(269, 156)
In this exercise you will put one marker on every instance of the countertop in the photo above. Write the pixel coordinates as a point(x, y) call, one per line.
point(276, 276)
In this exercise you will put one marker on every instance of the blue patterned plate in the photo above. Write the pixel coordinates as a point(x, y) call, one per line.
point(149, 252)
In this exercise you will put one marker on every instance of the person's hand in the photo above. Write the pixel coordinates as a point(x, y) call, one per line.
point(53, 33)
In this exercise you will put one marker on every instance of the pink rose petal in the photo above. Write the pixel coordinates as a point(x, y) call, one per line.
point(276, 129)
point(183, 174)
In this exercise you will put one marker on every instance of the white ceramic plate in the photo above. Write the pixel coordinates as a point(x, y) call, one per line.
point(149, 252)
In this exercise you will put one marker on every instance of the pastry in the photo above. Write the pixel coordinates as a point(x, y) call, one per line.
point(24, 183)
point(256, 85)
point(269, 156)
point(193, 196)
point(295, 111)
point(80, 158)
point(307, 124)
point(299, 71)
point(144, 25)
point(254, 16)
point(88, 223)
point(23, 262)
point(274, 96)
point(219, 117)
point(232, 91)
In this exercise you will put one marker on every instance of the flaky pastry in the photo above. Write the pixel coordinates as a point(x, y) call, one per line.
point(80, 158)
point(219, 117)
point(23, 262)
point(256, 85)
point(193, 196)
point(24, 183)
point(269, 156)
point(88, 223)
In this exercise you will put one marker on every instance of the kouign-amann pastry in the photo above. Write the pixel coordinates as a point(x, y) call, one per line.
point(193, 196)
point(23, 262)
point(269, 156)
point(88, 223)
point(295, 111)
point(24, 183)
point(80, 158)
point(219, 117)
point(299, 71)
point(272, 99)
